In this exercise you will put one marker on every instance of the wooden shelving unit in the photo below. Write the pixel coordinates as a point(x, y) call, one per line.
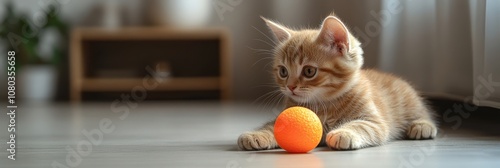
point(121, 84)
point(200, 59)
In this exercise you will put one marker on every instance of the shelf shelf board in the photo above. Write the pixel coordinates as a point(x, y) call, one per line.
point(160, 33)
point(168, 84)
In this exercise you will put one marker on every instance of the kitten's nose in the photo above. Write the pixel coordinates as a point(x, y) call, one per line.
point(291, 87)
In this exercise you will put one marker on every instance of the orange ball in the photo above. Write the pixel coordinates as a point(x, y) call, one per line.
point(298, 130)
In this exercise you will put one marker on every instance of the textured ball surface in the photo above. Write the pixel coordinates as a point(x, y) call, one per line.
point(298, 130)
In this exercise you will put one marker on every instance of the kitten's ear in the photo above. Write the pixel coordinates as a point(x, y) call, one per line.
point(334, 35)
point(280, 32)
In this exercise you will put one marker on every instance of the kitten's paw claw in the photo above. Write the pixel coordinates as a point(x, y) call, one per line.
point(343, 140)
point(256, 140)
point(422, 130)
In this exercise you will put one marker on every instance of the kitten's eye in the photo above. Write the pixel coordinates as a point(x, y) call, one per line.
point(309, 71)
point(283, 72)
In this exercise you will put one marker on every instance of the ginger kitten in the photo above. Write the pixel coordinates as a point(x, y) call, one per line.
point(321, 70)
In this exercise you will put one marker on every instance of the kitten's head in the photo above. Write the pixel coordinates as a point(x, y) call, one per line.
point(316, 65)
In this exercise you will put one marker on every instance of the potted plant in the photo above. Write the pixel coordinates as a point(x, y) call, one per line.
point(39, 49)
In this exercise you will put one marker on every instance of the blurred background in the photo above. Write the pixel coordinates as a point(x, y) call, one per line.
point(96, 50)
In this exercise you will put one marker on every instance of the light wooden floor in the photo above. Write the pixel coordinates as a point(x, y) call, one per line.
point(204, 135)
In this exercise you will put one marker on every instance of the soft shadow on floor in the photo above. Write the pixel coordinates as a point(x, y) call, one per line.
point(233, 148)
point(274, 152)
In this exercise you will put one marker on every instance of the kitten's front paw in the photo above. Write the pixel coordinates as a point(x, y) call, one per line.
point(343, 139)
point(422, 130)
point(257, 140)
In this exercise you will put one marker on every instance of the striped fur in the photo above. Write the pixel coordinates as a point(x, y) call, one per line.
point(358, 108)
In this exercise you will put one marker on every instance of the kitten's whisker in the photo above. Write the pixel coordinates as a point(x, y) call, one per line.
point(265, 95)
point(263, 106)
point(270, 86)
point(269, 99)
point(281, 99)
point(325, 111)
point(265, 42)
point(317, 106)
point(269, 53)
point(279, 103)
point(274, 42)
point(262, 60)
point(322, 109)
point(261, 52)
point(256, 49)
point(269, 64)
